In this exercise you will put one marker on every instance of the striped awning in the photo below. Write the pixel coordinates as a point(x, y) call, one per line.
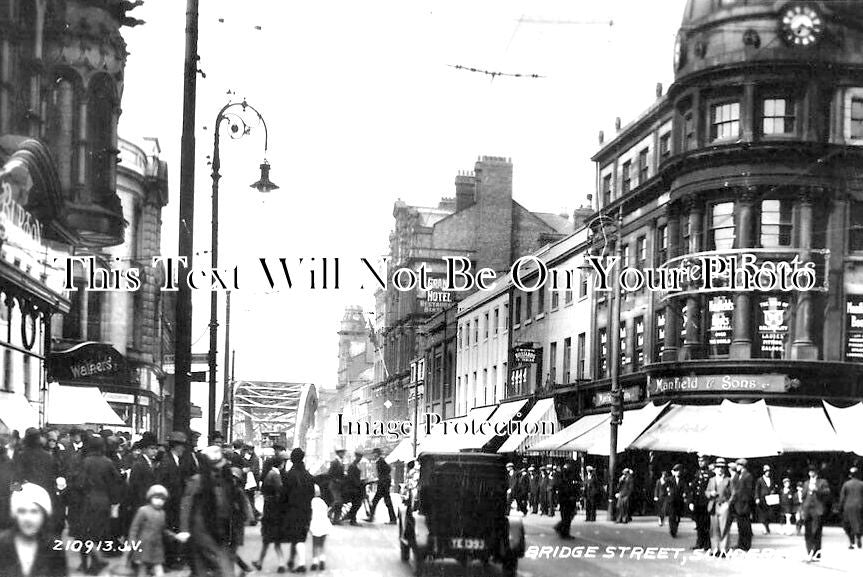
point(503, 414)
point(848, 423)
point(446, 436)
point(520, 442)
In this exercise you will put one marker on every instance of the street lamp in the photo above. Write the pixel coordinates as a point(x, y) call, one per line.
point(239, 128)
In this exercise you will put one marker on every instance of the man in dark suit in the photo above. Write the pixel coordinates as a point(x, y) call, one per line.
point(142, 476)
point(816, 494)
point(383, 492)
point(851, 507)
point(674, 491)
point(697, 502)
point(336, 476)
point(625, 487)
point(742, 496)
point(568, 499)
point(173, 473)
point(592, 493)
point(512, 481)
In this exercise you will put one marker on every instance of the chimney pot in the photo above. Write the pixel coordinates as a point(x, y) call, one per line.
point(658, 89)
point(617, 124)
point(601, 137)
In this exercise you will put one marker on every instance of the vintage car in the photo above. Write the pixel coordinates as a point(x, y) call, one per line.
point(456, 507)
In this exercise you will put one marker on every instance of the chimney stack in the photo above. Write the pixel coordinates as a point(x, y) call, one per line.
point(581, 215)
point(659, 89)
point(465, 190)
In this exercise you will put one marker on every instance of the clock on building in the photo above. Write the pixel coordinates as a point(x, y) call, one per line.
point(801, 24)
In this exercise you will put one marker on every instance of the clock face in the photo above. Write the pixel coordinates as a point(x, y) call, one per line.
point(801, 25)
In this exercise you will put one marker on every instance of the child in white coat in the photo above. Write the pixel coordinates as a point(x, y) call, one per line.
point(319, 528)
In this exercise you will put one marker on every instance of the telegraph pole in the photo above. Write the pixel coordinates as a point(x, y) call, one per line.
point(183, 338)
point(614, 364)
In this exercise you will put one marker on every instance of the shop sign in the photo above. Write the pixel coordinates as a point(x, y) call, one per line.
point(85, 361)
point(524, 355)
point(604, 398)
point(119, 398)
point(854, 328)
point(434, 298)
point(144, 401)
point(721, 310)
point(773, 327)
point(16, 221)
point(766, 383)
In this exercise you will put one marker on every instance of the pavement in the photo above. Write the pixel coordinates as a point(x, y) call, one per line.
point(599, 549)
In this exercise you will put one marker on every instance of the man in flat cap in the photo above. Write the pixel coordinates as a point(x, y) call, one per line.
point(742, 498)
point(674, 494)
point(718, 495)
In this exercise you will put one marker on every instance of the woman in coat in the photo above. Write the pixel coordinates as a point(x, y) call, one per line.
point(271, 521)
point(27, 548)
point(660, 497)
point(298, 490)
point(100, 485)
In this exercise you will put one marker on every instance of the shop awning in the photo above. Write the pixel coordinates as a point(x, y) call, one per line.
point(519, 442)
point(576, 429)
point(447, 436)
point(597, 440)
point(403, 452)
point(79, 406)
point(740, 430)
point(503, 414)
point(803, 430)
point(848, 424)
point(16, 413)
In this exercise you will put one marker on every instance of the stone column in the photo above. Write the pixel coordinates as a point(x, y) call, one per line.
point(803, 348)
point(741, 340)
point(749, 115)
point(692, 343)
point(5, 85)
point(81, 193)
point(672, 308)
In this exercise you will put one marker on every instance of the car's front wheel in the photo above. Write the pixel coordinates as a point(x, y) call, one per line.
point(404, 548)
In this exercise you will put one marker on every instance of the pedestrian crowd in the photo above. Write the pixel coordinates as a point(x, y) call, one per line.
point(161, 505)
point(349, 485)
point(719, 495)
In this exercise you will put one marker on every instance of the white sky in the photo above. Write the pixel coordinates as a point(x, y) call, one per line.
point(362, 109)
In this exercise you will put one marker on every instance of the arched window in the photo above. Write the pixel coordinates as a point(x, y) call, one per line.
point(60, 130)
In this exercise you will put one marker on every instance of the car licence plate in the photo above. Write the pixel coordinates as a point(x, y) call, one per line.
point(467, 543)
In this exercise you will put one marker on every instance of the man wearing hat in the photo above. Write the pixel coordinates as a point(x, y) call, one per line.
point(533, 497)
point(674, 494)
point(816, 494)
point(206, 515)
point(696, 502)
point(383, 492)
point(764, 487)
point(336, 475)
point(568, 499)
point(298, 488)
point(718, 495)
point(625, 487)
point(353, 488)
point(543, 490)
point(173, 476)
point(142, 476)
point(851, 506)
point(512, 481)
point(742, 497)
point(592, 493)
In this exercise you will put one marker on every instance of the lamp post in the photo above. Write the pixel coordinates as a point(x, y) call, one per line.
point(239, 128)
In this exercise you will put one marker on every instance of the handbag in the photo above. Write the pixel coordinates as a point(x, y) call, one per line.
point(251, 483)
point(771, 500)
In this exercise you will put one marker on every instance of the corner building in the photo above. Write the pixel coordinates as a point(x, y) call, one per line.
point(755, 148)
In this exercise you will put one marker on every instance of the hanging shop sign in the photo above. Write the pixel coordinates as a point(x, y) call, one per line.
point(86, 361)
point(773, 326)
point(524, 355)
point(766, 383)
point(604, 398)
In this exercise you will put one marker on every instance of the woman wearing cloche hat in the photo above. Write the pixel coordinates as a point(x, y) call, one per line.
point(26, 549)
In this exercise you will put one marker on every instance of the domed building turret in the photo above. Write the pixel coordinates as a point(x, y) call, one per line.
point(751, 160)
